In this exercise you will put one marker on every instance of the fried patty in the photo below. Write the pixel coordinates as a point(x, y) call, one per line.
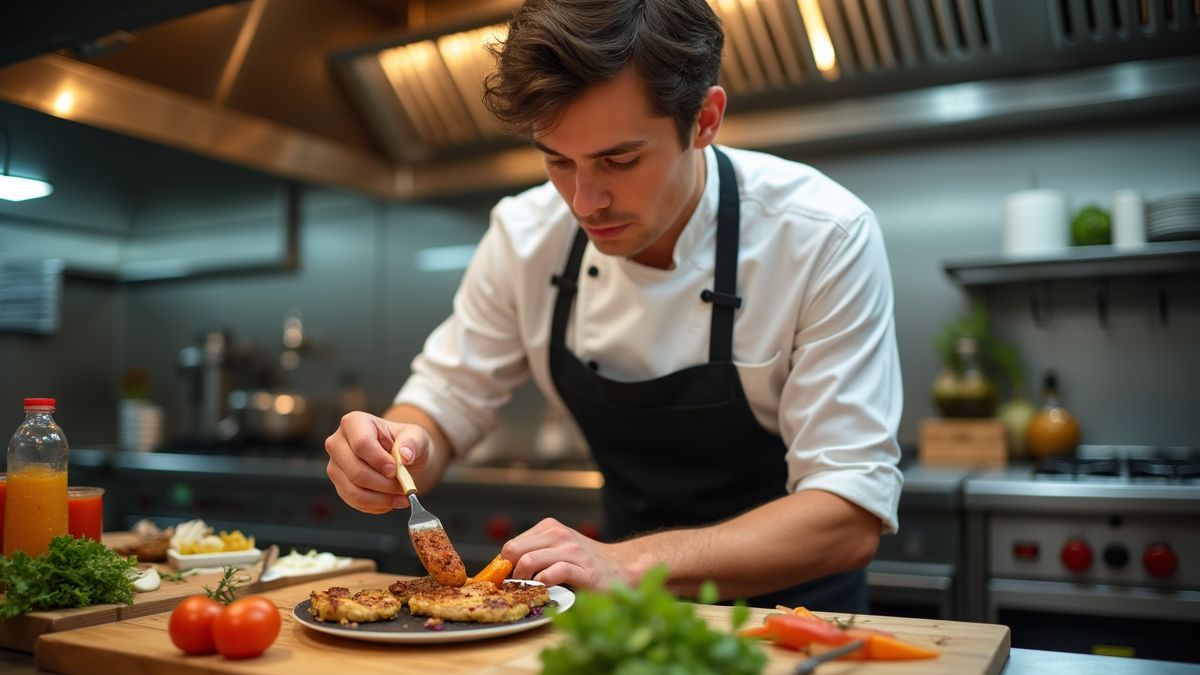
point(366, 606)
point(438, 556)
point(531, 594)
point(482, 602)
point(406, 587)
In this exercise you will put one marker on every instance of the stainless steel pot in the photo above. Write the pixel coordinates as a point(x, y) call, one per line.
point(271, 415)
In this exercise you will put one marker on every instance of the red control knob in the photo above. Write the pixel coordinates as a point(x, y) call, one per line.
point(499, 528)
point(322, 509)
point(589, 529)
point(1076, 555)
point(1159, 560)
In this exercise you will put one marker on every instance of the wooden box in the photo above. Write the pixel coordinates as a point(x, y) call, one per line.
point(976, 443)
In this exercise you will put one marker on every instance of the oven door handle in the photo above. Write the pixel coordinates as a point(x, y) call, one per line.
point(1116, 601)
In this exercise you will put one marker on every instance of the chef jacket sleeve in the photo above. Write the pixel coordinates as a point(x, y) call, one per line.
point(841, 404)
point(473, 361)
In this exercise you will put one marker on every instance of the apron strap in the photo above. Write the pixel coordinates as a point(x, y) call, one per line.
point(724, 296)
point(568, 283)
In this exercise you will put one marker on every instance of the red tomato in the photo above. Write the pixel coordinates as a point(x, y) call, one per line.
point(191, 624)
point(246, 627)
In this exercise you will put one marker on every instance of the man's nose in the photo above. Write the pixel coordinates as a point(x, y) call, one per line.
point(591, 195)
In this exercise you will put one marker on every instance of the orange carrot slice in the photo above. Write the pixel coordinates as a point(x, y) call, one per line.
point(496, 571)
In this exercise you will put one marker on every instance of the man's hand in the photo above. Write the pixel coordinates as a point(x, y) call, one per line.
point(361, 464)
point(553, 554)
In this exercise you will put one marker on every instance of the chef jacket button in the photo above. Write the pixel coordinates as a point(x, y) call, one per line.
point(593, 365)
point(593, 271)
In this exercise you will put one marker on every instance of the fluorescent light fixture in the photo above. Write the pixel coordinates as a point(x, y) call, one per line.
point(818, 38)
point(16, 189)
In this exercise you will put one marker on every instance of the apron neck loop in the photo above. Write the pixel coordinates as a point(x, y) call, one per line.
point(724, 296)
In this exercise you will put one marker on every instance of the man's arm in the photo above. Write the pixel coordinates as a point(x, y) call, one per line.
point(793, 539)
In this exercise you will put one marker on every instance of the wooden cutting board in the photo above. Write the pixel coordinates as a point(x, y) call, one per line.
point(21, 632)
point(142, 645)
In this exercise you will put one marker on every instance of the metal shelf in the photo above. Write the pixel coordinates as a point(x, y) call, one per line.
point(1096, 262)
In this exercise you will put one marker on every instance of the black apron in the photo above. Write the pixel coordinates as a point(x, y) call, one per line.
point(684, 449)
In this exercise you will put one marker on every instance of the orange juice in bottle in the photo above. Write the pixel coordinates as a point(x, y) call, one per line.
point(36, 504)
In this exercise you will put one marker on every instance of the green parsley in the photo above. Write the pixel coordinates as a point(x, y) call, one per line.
point(647, 631)
point(73, 573)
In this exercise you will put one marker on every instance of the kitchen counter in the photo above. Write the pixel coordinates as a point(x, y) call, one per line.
point(1020, 662)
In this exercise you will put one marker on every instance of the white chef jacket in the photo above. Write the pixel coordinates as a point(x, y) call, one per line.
point(813, 342)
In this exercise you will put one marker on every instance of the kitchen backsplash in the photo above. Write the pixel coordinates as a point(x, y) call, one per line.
point(367, 306)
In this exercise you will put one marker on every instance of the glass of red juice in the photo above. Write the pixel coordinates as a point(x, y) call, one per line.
point(85, 512)
point(3, 501)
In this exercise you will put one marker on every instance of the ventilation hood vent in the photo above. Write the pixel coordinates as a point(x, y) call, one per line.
point(421, 93)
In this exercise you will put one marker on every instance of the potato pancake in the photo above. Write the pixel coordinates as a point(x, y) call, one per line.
point(403, 589)
point(482, 602)
point(366, 606)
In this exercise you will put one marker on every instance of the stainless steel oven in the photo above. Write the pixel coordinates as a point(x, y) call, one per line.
point(1098, 553)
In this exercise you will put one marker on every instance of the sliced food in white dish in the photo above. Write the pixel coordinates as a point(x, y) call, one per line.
point(218, 559)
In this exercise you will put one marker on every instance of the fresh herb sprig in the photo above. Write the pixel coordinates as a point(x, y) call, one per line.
point(176, 577)
point(226, 590)
point(72, 573)
point(647, 630)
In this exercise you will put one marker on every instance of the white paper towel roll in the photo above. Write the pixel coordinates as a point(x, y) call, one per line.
point(1035, 222)
point(1128, 219)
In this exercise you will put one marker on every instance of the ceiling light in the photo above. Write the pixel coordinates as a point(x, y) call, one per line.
point(15, 188)
point(818, 38)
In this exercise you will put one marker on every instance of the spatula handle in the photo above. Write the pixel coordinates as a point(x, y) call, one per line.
point(402, 474)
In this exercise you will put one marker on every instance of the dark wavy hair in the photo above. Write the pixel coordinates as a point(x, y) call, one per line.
point(556, 49)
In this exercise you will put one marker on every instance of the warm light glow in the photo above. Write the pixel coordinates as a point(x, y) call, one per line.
point(818, 38)
point(421, 53)
point(453, 47)
point(284, 404)
point(64, 103)
point(16, 189)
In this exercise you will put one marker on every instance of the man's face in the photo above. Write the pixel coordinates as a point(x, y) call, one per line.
point(621, 170)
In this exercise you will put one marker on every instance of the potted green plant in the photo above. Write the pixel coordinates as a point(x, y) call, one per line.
point(963, 387)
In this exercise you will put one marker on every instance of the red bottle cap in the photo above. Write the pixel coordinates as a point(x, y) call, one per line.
point(39, 403)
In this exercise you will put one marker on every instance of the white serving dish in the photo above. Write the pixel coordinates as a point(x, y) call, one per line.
point(219, 559)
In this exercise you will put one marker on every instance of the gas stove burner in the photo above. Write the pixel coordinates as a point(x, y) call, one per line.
point(1078, 468)
point(1163, 467)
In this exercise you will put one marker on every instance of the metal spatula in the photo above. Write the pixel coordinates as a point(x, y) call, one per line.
point(809, 665)
point(428, 536)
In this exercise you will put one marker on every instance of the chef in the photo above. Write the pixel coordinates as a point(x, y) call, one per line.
point(718, 323)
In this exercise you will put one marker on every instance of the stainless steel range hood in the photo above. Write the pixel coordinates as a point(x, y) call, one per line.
point(383, 96)
point(787, 59)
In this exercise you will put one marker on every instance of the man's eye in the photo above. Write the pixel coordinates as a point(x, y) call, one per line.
point(559, 163)
point(621, 164)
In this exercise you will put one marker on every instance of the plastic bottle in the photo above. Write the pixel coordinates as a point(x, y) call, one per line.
point(37, 481)
point(1053, 431)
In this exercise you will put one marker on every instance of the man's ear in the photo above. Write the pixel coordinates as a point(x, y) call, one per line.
point(708, 120)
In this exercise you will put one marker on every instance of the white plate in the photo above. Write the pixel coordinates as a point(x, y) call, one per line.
point(187, 562)
point(406, 628)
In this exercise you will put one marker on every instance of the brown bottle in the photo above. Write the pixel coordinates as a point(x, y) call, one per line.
point(1053, 431)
